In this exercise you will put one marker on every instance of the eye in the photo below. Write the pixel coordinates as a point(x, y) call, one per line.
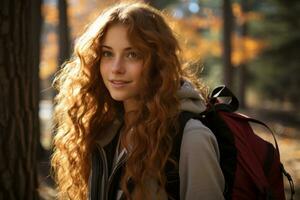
point(133, 55)
point(106, 53)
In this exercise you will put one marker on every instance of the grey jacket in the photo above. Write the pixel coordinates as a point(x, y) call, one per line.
point(199, 170)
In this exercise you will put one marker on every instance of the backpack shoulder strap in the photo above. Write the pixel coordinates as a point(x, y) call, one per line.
point(171, 169)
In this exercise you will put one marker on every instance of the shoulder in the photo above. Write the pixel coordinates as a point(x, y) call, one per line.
point(200, 173)
point(199, 138)
point(193, 125)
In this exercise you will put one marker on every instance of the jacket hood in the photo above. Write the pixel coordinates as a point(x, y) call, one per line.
point(190, 99)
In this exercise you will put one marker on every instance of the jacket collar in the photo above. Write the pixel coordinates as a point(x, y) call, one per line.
point(109, 133)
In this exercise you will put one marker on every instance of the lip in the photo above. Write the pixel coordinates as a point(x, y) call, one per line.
point(119, 83)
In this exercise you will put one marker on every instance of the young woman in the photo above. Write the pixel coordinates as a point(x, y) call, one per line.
point(117, 110)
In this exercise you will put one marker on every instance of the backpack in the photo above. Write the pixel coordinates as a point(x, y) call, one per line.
point(251, 166)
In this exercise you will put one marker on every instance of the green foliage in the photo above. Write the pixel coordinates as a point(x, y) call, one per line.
point(210, 3)
point(277, 69)
point(161, 4)
point(212, 71)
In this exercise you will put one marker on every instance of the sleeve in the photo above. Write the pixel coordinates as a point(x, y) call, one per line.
point(199, 170)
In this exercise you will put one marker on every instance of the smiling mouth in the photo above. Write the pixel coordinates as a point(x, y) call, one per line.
point(119, 83)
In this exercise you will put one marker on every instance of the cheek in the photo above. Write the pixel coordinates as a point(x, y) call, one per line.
point(138, 72)
point(102, 70)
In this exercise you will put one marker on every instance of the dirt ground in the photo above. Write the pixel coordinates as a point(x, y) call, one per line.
point(286, 127)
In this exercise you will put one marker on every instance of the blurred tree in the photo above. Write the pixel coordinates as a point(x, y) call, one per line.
point(63, 32)
point(64, 40)
point(19, 84)
point(277, 70)
point(242, 68)
point(227, 48)
point(49, 44)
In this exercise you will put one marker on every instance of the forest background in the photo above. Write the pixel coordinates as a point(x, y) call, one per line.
point(252, 46)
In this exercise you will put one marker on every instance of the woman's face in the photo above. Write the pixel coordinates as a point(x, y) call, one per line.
point(121, 66)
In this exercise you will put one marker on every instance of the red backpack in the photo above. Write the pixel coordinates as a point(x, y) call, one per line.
point(251, 166)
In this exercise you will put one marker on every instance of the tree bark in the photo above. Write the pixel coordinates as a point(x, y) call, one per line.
point(19, 85)
point(227, 47)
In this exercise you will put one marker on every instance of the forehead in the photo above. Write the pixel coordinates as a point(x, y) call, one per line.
point(116, 35)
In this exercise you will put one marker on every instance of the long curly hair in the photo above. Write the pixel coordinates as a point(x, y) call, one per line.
point(84, 107)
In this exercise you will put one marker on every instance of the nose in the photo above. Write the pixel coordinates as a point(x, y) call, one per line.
point(118, 66)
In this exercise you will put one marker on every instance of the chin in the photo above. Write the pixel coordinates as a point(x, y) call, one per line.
point(118, 97)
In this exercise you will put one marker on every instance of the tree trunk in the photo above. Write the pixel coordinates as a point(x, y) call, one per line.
point(227, 48)
point(243, 67)
point(242, 84)
point(63, 32)
point(19, 85)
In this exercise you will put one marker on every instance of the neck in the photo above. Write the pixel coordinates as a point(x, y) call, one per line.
point(130, 105)
point(128, 118)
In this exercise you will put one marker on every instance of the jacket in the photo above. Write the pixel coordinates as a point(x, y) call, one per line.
point(199, 170)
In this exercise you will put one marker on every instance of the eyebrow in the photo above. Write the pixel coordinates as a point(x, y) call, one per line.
point(108, 47)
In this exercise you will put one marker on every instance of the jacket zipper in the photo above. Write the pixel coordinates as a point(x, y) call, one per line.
point(115, 169)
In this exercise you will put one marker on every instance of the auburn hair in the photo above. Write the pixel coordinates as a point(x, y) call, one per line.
point(84, 107)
